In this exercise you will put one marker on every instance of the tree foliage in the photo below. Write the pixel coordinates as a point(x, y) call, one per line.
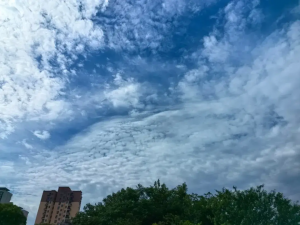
point(43, 224)
point(11, 214)
point(159, 205)
point(68, 223)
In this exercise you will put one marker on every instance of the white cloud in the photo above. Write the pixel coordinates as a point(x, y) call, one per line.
point(214, 50)
point(30, 88)
point(38, 35)
point(235, 124)
point(42, 134)
point(136, 26)
point(126, 94)
point(25, 143)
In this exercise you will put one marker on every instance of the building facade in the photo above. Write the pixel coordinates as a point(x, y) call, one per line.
point(58, 207)
point(5, 195)
point(25, 213)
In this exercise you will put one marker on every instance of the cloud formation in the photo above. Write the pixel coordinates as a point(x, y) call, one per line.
point(221, 113)
point(125, 94)
point(140, 25)
point(42, 134)
point(39, 40)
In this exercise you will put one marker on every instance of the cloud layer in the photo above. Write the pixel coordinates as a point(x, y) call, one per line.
point(38, 43)
point(94, 94)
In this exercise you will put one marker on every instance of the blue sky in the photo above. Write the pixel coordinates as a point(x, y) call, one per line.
point(100, 95)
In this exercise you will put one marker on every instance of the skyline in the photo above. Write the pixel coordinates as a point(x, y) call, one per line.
point(99, 95)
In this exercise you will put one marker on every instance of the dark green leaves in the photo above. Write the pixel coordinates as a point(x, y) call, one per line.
point(160, 205)
point(11, 215)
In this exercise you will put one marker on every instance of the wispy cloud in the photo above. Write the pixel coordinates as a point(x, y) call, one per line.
point(42, 134)
point(140, 25)
point(26, 144)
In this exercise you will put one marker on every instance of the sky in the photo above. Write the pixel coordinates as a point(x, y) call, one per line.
point(99, 95)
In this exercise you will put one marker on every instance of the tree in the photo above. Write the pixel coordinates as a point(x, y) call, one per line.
point(158, 205)
point(252, 206)
point(43, 224)
point(142, 205)
point(68, 223)
point(11, 214)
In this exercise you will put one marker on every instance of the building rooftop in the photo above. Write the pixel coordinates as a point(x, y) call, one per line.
point(4, 189)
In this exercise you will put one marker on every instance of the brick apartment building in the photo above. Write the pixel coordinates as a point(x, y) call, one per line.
point(58, 207)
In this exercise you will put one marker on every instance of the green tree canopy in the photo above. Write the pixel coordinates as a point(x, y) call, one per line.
point(160, 205)
point(43, 224)
point(11, 214)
